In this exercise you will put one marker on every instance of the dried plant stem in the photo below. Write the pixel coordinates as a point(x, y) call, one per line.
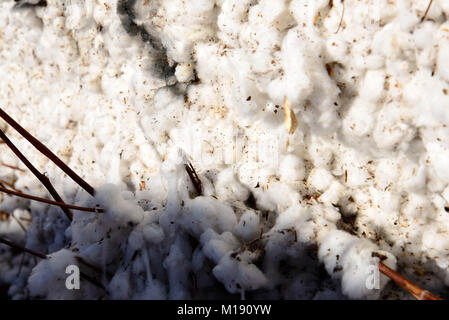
point(22, 248)
point(44, 150)
point(416, 291)
point(427, 11)
point(19, 223)
point(60, 204)
point(196, 181)
point(4, 183)
point(10, 166)
point(342, 16)
point(42, 178)
point(43, 256)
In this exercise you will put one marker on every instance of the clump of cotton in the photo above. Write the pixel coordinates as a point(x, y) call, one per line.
point(118, 206)
point(354, 261)
point(49, 278)
point(239, 274)
point(203, 213)
point(128, 93)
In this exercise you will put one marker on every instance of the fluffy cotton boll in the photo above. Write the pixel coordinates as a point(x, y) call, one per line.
point(332, 248)
point(351, 259)
point(184, 72)
point(332, 195)
point(228, 187)
point(202, 213)
point(215, 245)
point(295, 216)
point(111, 199)
point(361, 278)
point(248, 226)
point(320, 179)
point(294, 85)
point(292, 169)
point(330, 213)
point(239, 275)
point(360, 118)
point(373, 86)
point(275, 195)
point(48, 278)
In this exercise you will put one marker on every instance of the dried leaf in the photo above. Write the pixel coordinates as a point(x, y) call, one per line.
point(290, 119)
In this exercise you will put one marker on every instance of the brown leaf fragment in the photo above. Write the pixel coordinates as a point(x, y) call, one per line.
point(291, 123)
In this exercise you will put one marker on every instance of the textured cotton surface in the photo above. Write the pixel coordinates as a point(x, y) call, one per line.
point(318, 130)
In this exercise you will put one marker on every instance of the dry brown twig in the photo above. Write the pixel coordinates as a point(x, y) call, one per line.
point(342, 16)
point(43, 256)
point(45, 151)
point(4, 183)
point(416, 291)
point(427, 11)
point(10, 166)
point(196, 181)
point(55, 203)
point(42, 178)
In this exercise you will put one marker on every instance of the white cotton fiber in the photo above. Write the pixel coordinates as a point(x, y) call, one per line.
point(248, 226)
point(351, 259)
point(48, 278)
point(215, 246)
point(129, 94)
point(320, 179)
point(202, 213)
point(229, 188)
point(116, 204)
point(292, 169)
point(239, 275)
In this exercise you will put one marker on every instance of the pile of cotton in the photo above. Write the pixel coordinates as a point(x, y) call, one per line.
point(254, 149)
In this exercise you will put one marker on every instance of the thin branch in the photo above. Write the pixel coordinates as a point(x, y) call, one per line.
point(427, 11)
point(342, 15)
point(22, 248)
point(196, 181)
point(18, 222)
point(44, 150)
point(4, 183)
point(10, 166)
point(43, 256)
point(55, 203)
point(416, 291)
point(45, 181)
